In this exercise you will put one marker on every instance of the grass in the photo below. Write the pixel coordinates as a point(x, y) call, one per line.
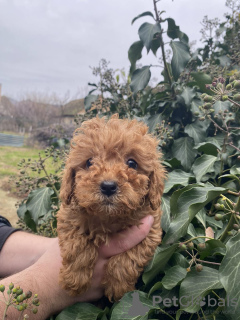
point(10, 157)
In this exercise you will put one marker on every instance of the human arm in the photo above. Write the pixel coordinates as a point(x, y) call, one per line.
point(42, 276)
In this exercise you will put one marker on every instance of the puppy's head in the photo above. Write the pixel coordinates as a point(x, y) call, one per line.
point(113, 168)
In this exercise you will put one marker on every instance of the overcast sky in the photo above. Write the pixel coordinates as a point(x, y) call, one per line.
point(48, 45)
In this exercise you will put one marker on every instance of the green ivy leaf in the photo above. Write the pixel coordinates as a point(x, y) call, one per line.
point(180, 58)
point(235, 170)
point(182, 149)
point(166, 219)
point(89, 100)
point(39, 203)
point(195, 104)
point(157, 286)
point(146, 13)
point(174, 32)
point(155, 45)
point(158, 263)
point(179, 260)
point(213, 247)
point(140, 79)
point(173, 277)
point(188, 94)
point(146, 33)
point(221, 106)
point(125, 309)
point(186, 205)
point(134, 54)
point(196, 286)
point(208, 147)
point(201, 216)
point(80, 311)
point(153, 121)
point(177, 178)
point(201, 79)
point(214, 223)
point(203, 165)
point(229, 275)
point(197, 131)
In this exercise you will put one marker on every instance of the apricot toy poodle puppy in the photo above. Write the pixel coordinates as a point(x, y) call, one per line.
point(112, 179)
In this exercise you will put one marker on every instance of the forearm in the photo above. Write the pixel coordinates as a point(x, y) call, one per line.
point(20, 251)
point(42, 281)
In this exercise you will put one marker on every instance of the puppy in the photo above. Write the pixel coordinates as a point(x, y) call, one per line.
point(112, 179)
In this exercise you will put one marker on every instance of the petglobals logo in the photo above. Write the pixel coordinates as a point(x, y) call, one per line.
point(188, 301)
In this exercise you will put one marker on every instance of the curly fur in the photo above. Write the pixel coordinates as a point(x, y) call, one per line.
point(87, 217)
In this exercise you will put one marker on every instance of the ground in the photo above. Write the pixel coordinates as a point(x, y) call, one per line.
point(7, 204)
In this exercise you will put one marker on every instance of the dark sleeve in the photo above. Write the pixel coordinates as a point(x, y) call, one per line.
point(5, 230)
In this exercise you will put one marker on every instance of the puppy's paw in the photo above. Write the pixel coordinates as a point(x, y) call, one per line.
point(75, 283)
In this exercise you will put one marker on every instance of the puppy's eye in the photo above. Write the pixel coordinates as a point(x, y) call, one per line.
point(132, 164)
point(89, 163)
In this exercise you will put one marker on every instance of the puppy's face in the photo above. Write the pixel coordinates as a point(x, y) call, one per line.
point(113, 168)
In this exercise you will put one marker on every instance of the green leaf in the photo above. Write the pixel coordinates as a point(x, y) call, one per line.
point(180, 58)
point(126, 308)
point(188, 94)
point(178, 259)
point(186, 204)
point(213, 247)
point(195, 105)
point(155, 45)
point(80, 311)
point(208, 147)
point(22, 210)
point(134, 54)
point(221, 106)
point(146, 13)
point(201, 216)
point(197, 131)
point(229, 275)
point(182, 149)
point(39, 203)
point(140, 79)
point(173, 29)
point(155, 287)
point(195, 232)
point(174, 32)
point(29, 221)
point(153, 121)
point(146, 33)
point(235, 170)
point(203, 165)
point(158, 263)
point(173, 277)
point(196, 286)
point(89, 100)
point(166, 219)
point(201, 79)
point(214, 223)
point(177, 178)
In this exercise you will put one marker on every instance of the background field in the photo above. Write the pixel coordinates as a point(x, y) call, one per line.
point(9, 159)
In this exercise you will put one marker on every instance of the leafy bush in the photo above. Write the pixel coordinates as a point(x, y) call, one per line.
point(194, 111)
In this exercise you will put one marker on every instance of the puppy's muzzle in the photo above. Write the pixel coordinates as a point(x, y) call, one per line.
point(108, 188)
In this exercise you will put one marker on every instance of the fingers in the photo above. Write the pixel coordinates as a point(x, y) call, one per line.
point(126, 239)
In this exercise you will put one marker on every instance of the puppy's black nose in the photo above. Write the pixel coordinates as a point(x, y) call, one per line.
point(108, 188)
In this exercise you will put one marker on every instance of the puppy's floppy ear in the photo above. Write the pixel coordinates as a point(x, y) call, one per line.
point(156, 187)
point(67, 185)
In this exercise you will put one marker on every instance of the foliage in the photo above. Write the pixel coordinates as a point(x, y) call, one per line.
point(194, 112)
point(38, 210)
point(15, 297)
